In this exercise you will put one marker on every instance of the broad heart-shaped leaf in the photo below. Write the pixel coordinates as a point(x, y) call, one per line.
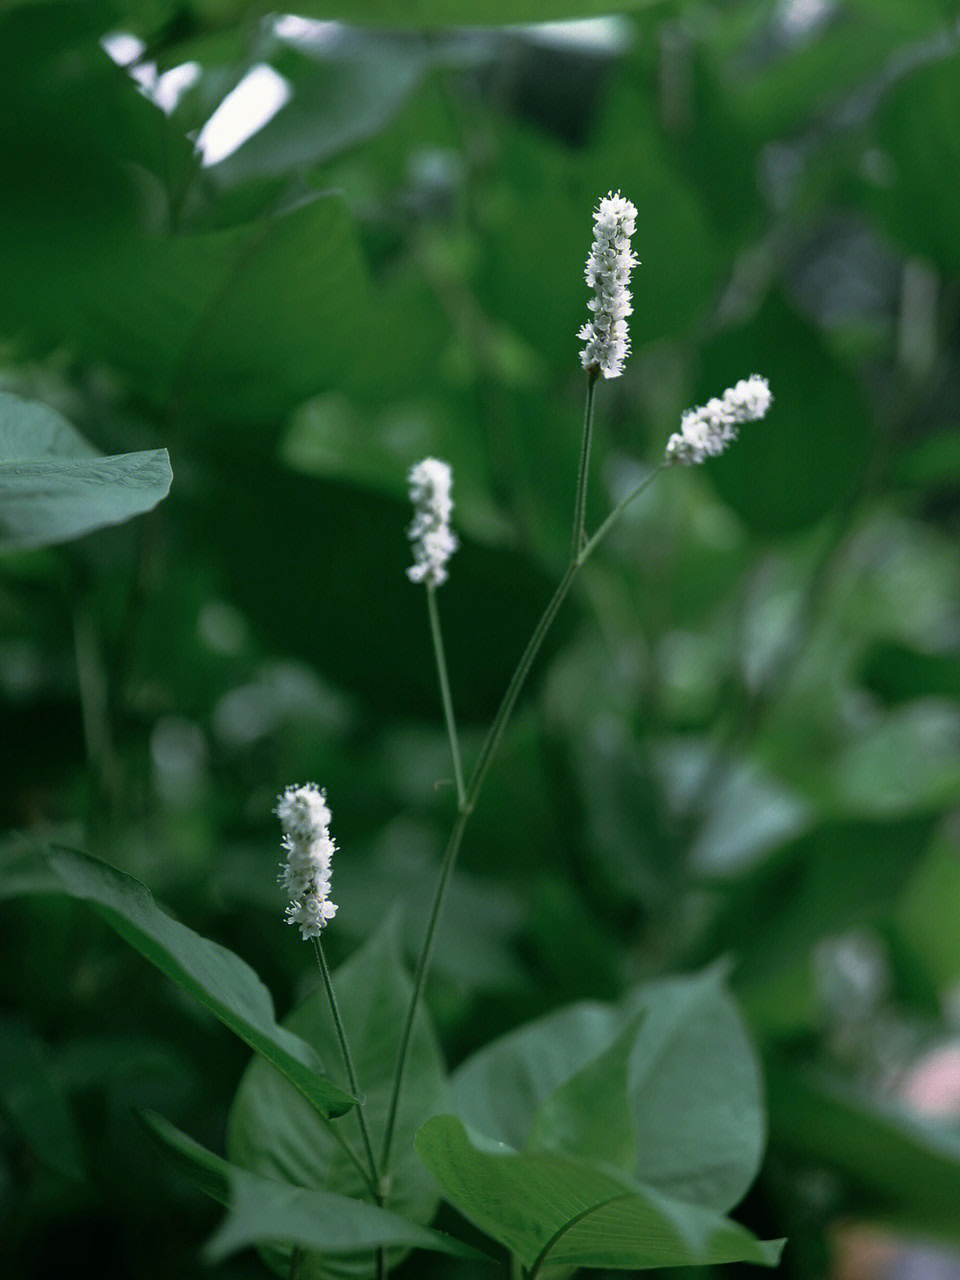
point(220, 980)
point(262, 1211)
point(589, 1115)
point(273, 1133)
point(54, 486)
point(551, 1209)
point(693, 1084)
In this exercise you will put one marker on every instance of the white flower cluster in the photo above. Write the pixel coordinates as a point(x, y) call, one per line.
point(434, 541)
point(305, 819)
point(608, 271)
point(707, 430)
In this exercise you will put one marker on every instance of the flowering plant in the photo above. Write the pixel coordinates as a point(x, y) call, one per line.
point(592, 1138)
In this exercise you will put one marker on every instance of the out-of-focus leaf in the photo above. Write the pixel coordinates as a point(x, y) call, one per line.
point(54, 486)
point(551, 1209)
point(216, 977)
point(909, 763)
point(815, 442)
point(34, 1104)
point(693, 1084)
point(926, 916)
point(274, 1133)
point(902, 1163)
point(440, 13)
point(916, 131)
point(264, 1211)
point(830, 880)
point(344, 90)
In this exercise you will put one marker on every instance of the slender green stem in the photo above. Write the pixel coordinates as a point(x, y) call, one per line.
point(347, 1059)
point(487, 751)
point(295, 1260)
point(593, 542)
point(374, 1182)
point(437, 636)
point(351, 1155)
point(583, 471)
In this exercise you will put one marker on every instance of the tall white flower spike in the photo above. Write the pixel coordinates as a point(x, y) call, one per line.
point(305, 817)
point(434, 542)
point(608, 272)
point(707, 430)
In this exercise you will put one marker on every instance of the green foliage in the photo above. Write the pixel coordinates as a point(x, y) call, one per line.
point(738, 746)
point(551, 1209)
point(221, 981)
point(261, 1210)
point(273, 1133)
point(54, 486)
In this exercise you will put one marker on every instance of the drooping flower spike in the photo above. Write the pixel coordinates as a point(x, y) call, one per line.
point(707, 430)
point(434, 542)
point(305, 818)
point(608, 272)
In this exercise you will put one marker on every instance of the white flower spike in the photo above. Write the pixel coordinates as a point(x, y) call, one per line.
point(608, 272)
point(434, 542)
point(706, 431)
point(305, 819)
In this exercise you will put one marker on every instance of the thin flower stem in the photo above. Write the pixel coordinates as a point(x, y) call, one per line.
point(347, 1061)
point(583, 471)
point(487, 751)
point(437, 636)
point(295, 1260)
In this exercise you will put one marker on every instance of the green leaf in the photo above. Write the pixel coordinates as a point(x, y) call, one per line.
point(216, 977)
point(33, 1103)
point(916, 129)
point(273, 1133)
point(588, 1116)
point(262, 1211)
point(551, 1209)
point(54, 486)
point(905, 1165)
point(693, 1087)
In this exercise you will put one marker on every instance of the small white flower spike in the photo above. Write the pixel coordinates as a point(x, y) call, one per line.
point(608, 272)
point(706, 431)
point(434, 542)
point(305, 816)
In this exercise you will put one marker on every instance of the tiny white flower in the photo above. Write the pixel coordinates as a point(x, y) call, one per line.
point(608, 272)
point(707, 430)
point(434, 542)
point(305, 816)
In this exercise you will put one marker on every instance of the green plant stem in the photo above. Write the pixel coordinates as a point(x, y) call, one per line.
point(295, 1260)
point(583, 470)
point(577, 559)
point(354, 1088)
point(347, 1056)
point(516, 1268)
point(448, 716)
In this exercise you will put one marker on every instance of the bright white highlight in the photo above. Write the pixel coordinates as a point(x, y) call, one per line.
point(706, 431)
point(608, 272)
point(243, 112)
point(434, 542)
point(305, 819)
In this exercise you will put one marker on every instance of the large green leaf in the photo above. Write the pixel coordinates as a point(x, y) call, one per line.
point(55, 486)
point(552, 1209)
point(220, 980)
point(273, 1133)
point(693, 1085)
point(263, 1211)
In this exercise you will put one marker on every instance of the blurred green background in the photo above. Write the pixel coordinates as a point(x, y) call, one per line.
point(743, 738)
